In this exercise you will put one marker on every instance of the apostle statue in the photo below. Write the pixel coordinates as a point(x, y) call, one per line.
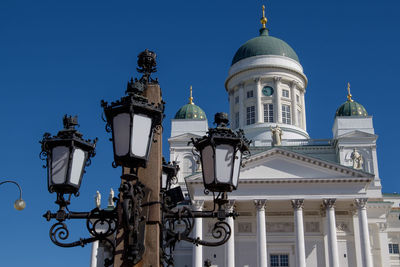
point(97, 199)
point(276, 135)
point(357, 160)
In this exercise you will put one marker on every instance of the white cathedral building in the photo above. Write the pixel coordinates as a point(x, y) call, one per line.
point(302, 201)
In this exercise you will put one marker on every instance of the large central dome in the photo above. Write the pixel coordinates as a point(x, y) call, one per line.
point(264, 45)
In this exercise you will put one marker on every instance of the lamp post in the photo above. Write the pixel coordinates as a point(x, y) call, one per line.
point(147, 212)
point(19, 204)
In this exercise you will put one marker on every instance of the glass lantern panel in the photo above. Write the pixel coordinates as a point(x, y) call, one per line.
point(164, 177)
point(141, 128)
point(207, 158)
point(121, 124)
point(236, 168)
point(78, 161)
point(224, 163)
point(59, 164)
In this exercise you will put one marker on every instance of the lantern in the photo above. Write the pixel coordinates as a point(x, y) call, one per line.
point(132, 121)
point(221, 152)
point(67, 154)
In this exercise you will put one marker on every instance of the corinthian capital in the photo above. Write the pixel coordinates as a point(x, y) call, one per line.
point(297, 203)
point(329, 203)
point(360, 202)
point(260, 204)
point(277, 79)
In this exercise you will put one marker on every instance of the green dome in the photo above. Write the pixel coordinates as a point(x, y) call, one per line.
point(351, 108)
point(264, 45)
point(190, 112)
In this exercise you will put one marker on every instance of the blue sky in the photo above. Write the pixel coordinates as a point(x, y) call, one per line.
point(59, 57)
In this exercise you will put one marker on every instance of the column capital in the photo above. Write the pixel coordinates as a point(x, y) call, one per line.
point(294, 84)
point(197, 205)
point(230, 205)
point(277, 79)
point(260, 204)
point(329, 203)
point(360, 202)
point(382, 226)
point(297, 203)
point(257, 79)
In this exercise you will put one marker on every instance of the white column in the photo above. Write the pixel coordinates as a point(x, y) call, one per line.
point(242, 106)
point(232, 108)
point(262, 258)
point(297, 205)
point(360, 203)
point(278, 104)
point(230, 244)
point(383, 244)
point(357, 243)
point(294, 103)
point(303, 110)
point(259, 106)
point(197, 259)
point(93, 258)
point(332, 239)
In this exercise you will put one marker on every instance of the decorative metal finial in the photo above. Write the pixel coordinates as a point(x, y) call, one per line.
point(221, 119)
point(147, 63)
point(191, 96)
point(263, 20)
point(70, 122)
point(349, 94)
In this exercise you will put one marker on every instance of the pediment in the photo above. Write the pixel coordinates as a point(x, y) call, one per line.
point(278, 163)
point(358, 134)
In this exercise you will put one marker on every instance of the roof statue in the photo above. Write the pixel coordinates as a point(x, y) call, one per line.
point(357, 160)
point(276, 135)
point(97, 199)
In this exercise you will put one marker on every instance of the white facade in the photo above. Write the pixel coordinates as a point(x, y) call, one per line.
point(303, 203)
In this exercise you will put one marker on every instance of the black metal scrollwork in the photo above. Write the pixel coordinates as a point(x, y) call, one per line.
point(101, 224)
point(179, 223)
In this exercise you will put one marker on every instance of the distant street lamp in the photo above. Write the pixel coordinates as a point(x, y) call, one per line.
point(19, 204)
point(135, 123)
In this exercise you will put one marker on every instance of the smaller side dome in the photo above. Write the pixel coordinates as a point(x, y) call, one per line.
point(351, 107)
point(190, 111)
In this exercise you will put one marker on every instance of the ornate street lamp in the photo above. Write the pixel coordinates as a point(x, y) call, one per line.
point(67, 154)
point(221, 152)
point(19, 204)
point(133, 120)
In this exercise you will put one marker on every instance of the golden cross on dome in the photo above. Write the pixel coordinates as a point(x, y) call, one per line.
point(263, 20)
point(349, 94)
point(191, 97)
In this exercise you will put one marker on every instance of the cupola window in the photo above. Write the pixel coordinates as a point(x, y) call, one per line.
point(268, 113)
point(286, 118)
point(285, 93)
point(236, 100)
point(250, 94)
point(250, 115)
point(394, 248)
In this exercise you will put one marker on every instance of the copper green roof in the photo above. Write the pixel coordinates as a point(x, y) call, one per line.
point(351, 108)
point(264, 45)
point(190, 112)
